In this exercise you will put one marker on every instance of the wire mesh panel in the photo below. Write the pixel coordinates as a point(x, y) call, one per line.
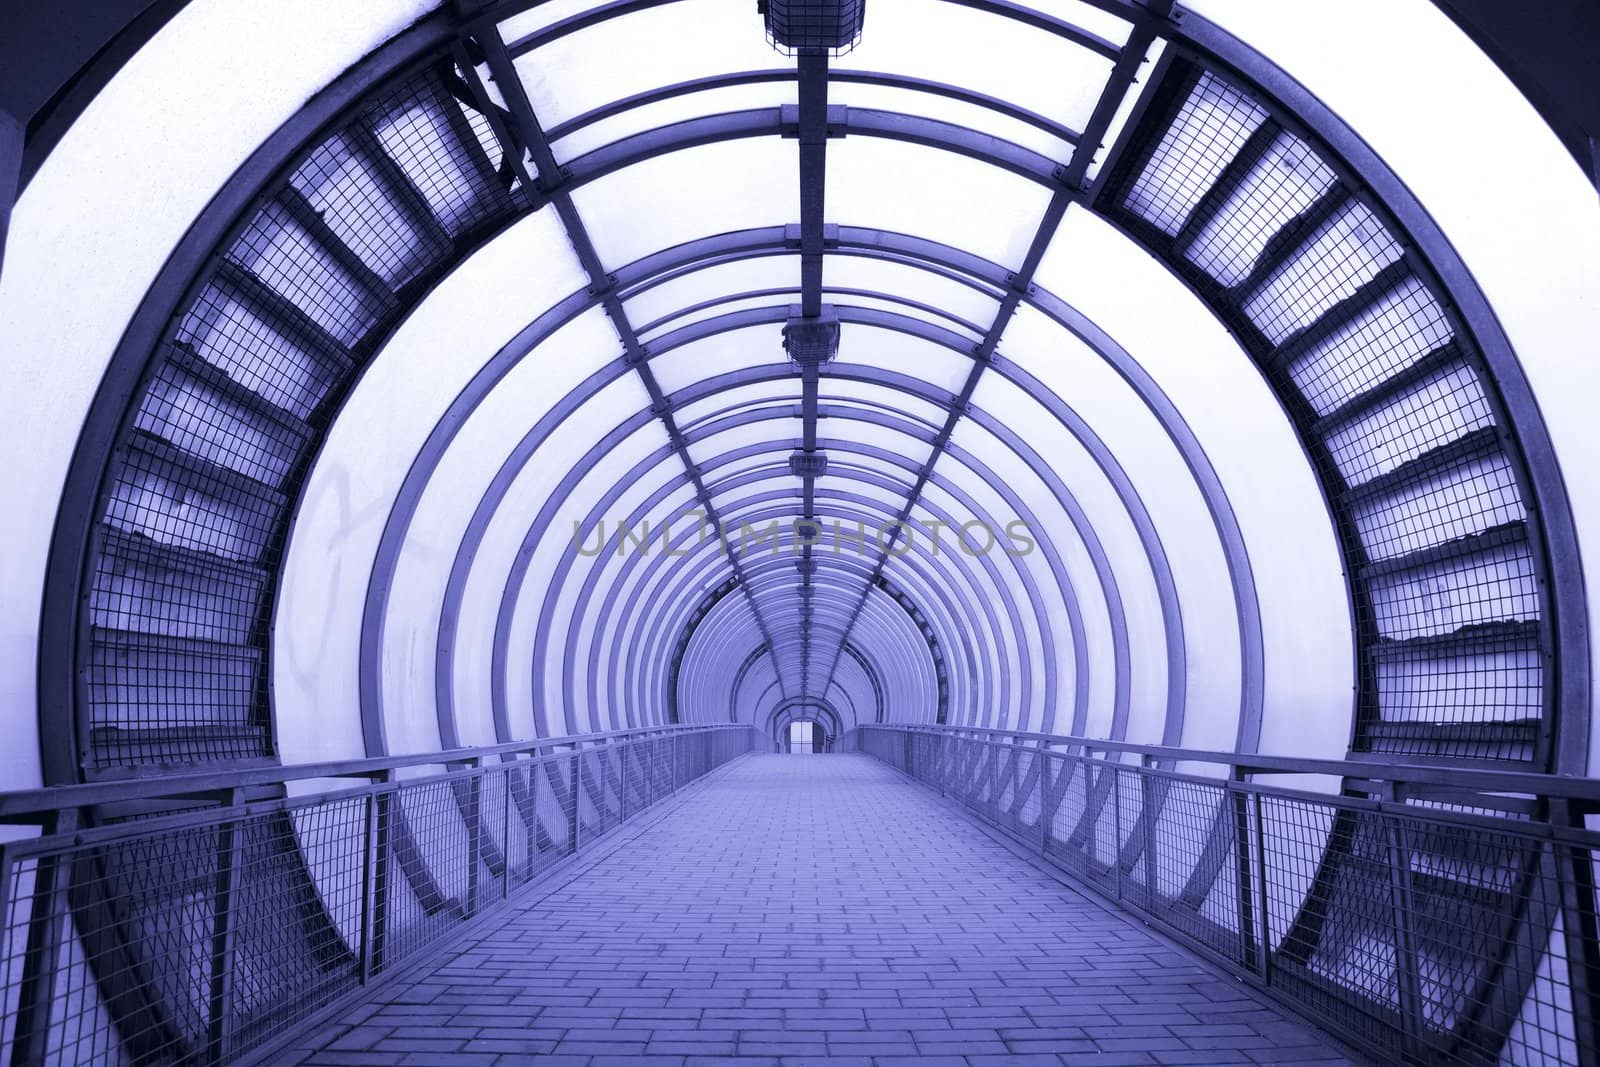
point(1435, 926)
point(234, 403)
point(1390, 396)
point(207, 935)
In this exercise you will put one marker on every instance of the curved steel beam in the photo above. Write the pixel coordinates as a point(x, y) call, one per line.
point(618, 8)
point(857, 77)
point(912, 251)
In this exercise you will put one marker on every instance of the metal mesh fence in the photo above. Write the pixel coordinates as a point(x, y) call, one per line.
point(1426, 923)
point(208, 933)
point(234, 402)
point(1387, 391)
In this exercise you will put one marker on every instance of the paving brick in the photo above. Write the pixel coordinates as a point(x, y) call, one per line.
point(795, 911)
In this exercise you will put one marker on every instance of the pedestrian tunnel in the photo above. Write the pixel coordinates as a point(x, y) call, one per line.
point(455, 445)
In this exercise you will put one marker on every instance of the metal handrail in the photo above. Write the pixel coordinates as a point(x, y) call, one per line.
point(309, 897)
point(1523, 783)
point(20, 806)
point(1452, 924)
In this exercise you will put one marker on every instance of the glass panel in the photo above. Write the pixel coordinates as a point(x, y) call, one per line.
point(643, 50)
point(841, 461)
point(665, 112)
point(1152, 57)
point(779, 433)
point(486, 583)
point(945, 109)
point(892, 500)
point(714, 188)
point(972, 330)
point(939, 195)
point(777, 300)
point(876, 275)
point(543, 13)
point(903, 354)
point(849, 394)
point(746, 275)
point(915, 452)
point(721, 353)
point(999, 57)
point(783, 392)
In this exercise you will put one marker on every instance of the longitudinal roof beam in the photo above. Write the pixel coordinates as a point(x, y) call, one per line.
point(813, 135)
point(1071, 182)
point(526, 132)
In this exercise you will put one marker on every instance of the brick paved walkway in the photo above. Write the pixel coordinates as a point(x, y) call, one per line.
point(796, 909)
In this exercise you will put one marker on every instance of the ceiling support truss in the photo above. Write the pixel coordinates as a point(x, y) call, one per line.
point(526, 133)
point(1070, 184)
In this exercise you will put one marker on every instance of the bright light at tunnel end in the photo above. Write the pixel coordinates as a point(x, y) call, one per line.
point(677, 539)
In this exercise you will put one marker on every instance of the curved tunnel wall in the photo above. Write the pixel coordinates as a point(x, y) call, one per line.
point(1141, 624)
point(147, 671)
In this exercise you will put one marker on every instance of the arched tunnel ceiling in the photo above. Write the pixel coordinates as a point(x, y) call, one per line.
point(634, 201)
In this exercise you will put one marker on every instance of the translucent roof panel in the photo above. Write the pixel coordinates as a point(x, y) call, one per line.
point(620, 57)
point(869, 395)
point(668, 199)
point(901, 353)
point(783, 392)
point(953, 298)
point(1038, 132)
point(939, 205)
point(638, 119)
point(1044, 73)
point(721, 353)
point(666, 306)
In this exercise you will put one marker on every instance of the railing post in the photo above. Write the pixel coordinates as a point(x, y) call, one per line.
point(1264, 936)
point(1575, 872)
point(1403, 906)
point(1234, 794)
point(1115, 770)
point(1043, 778)
point(375, 890)
point(505, 830)
point(622, 782)
point(220, 992)
point(474, 838)
point(1016, 787)
point(1147, 819)
point(576, 789)
point(47, 921)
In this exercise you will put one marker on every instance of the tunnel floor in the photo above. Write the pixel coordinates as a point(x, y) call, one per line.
point(793, 909)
